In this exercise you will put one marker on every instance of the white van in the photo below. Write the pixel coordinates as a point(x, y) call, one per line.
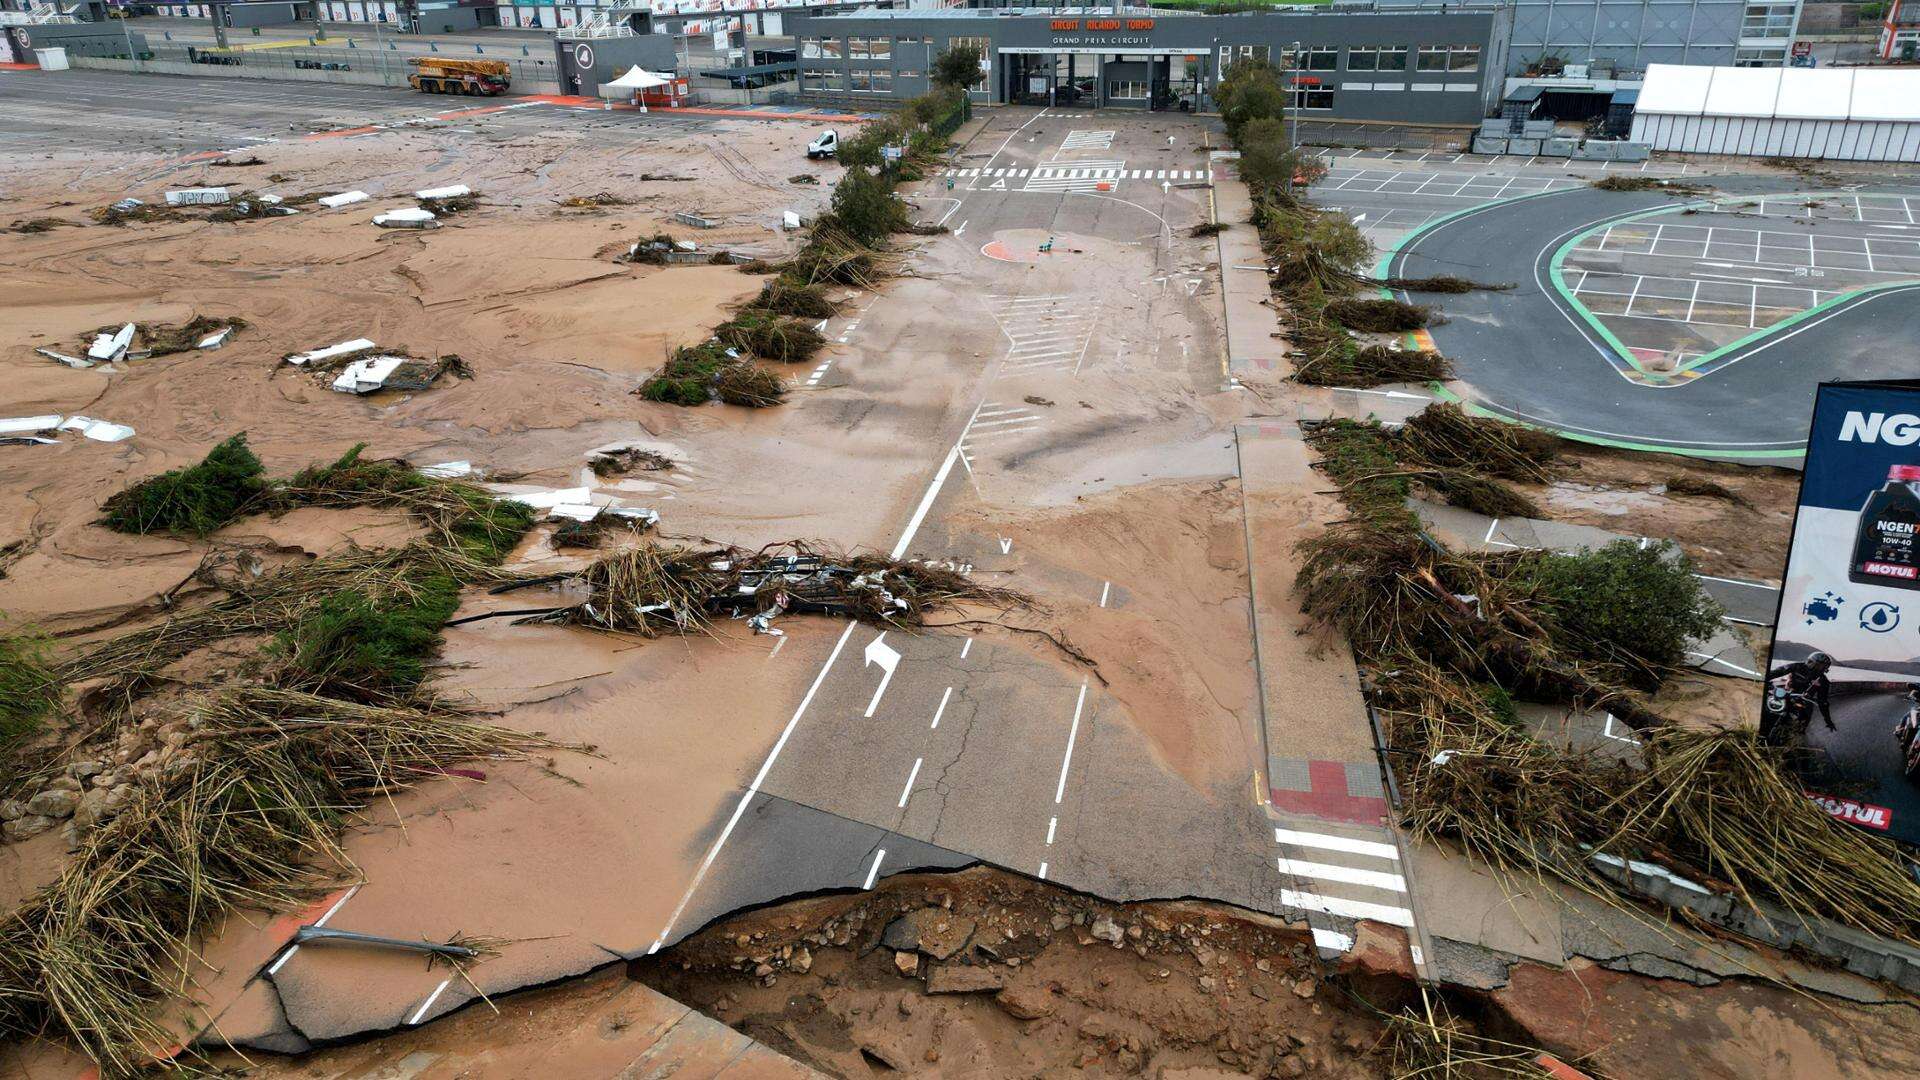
point(826, 146)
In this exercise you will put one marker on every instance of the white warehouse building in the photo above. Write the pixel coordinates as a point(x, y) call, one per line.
point(1842, 114)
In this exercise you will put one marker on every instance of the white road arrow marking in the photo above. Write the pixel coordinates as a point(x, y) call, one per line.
point(1166, 186)
point(961, 229)
point(879, 652)
point(1006, 545)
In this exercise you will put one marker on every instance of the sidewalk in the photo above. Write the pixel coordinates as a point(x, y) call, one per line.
point(1252, 322)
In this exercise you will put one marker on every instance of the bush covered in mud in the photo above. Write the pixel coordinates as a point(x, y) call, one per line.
point(193, 501)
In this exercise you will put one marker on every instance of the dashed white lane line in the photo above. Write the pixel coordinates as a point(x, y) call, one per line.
point(966, 648)
point(1043, 871)
point(1348, 875)
point(1331, 842)
point(1073, 733)
point(428, 1004)
point(873, 871)
point(1352, 909)
point(1105, 588)
point(1052, 824)
point(912, 775)
point(941, 711)
point(321, 921)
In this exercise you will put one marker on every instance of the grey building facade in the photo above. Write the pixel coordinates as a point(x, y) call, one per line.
point(1619, 38)
point(1407, 65)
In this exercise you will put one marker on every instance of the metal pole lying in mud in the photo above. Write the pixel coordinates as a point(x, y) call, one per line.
point(307, 935)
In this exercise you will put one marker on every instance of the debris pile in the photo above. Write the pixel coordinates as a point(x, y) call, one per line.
point(360, 366)
point(594, 201)
point(653, 590)
point(619, 460)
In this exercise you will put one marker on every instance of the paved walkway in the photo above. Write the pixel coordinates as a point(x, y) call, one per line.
point(1253, 325)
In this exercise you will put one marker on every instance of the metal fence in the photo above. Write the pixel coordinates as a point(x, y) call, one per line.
point(378, 66)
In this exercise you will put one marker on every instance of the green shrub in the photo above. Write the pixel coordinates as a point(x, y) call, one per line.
point(1253, 90)
point(29, 690)
point(467, 517)
point(1626, 603)
point(367, 648)
point(771, 337)
point(195, 500)
point(957, 65)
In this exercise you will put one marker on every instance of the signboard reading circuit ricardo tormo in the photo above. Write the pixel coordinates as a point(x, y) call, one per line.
point(1851, 603)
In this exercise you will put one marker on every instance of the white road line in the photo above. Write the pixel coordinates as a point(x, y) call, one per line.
point(760, 777)
point(966, 648)
point(1105, 587)
point(1346, 875)
point(937, 713)
point(321, 921)
point(1060, 789)
point(428, 1004)
point(1052, 824)
point(874, 870)
point(1352, 909)
point(1014, 420)
point(1332, 939)
point(926, 501)
point(1330, 842)
point(911, 776)
point(1043, 871)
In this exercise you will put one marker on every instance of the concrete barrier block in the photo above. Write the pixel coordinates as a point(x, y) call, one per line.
point(1487, 145)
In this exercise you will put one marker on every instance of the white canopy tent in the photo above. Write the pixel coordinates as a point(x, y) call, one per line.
point(1856, 114)
point(628, 87)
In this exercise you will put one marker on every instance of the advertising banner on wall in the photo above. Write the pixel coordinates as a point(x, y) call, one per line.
point(1850, 603)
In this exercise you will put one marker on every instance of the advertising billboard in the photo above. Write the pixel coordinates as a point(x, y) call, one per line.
point(1852, 592)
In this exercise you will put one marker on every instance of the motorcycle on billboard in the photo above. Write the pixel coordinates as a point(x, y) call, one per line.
point(1843, 682)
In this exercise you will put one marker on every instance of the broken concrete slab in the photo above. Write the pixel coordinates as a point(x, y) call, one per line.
point(345, 198)
point(70, 361)
point(97, 430)
point(215, 339)
point(936, 932)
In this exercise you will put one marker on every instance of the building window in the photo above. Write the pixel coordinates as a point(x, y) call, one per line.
point(1763, 57)
point(1464, 58)
point(1127, 90)
point(1322, 58)
point(1313, 97)
point(1433, 58)
point(1767, 21)
point(869, 48)
point(814, 48)
point(1377, 58)
point(903, 73)
point(827, 78)
point(1230, 53)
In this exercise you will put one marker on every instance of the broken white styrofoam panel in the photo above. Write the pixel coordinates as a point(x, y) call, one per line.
point(447, 470)
point(789, 220)
point(547, 500)
point(646, 516)
point(28, 425)
point(270, 200)
point(70, 361)
point(574, 511)
point(367, 375)
point(409, 217)
point(331, 351)
point(215, 339)
point(345, 198)
point(452, 192)
point(206, 196)
point(111, 347)
point(97, 430)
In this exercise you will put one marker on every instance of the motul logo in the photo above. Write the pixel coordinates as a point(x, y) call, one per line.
point(1900, 429)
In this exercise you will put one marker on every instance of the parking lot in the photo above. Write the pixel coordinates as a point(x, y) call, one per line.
point(1678, 284)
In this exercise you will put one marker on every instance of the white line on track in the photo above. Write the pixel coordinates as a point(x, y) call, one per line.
point(939, 712)
point(912, 775)
point(1346, 875)
point(1331, 842)
point(1352, 909)
point(873, 871)
point(321, 921)
point(428, 1004)
point(1060, 789)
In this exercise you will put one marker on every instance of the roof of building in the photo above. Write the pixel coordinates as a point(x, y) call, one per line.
point(1783, 93)
point(1339, 7)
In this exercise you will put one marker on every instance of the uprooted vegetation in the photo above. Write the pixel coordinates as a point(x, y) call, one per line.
point(1450, 639)
point(188, 796)
point(1622, 182)
point(846, 246)
point(652, 590)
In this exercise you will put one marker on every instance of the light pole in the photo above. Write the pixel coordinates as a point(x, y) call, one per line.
point(128, 34)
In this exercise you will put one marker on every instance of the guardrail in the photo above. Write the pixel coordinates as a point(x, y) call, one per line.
point(364, 67)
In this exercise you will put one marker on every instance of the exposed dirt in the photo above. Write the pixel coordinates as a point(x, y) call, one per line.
point(1741, 533)
point(985, 974)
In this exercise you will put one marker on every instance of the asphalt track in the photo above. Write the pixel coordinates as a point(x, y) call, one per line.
point(1525, 353)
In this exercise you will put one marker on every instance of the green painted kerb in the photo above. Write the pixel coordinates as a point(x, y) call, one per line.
point(1441, 393)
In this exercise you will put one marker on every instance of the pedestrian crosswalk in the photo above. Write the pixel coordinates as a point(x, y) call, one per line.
point(1045, 333)
point(1093, 172)
point(1075, 176)
point(1340, 875)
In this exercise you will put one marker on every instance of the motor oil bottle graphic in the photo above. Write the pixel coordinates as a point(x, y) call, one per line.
point(1886, 550)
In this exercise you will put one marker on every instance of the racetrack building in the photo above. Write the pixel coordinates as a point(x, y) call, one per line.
point(1443, 65)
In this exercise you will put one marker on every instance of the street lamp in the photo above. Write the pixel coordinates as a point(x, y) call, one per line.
point(128, 35)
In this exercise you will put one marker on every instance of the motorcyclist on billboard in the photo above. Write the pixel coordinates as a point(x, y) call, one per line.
point(1806, 687)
